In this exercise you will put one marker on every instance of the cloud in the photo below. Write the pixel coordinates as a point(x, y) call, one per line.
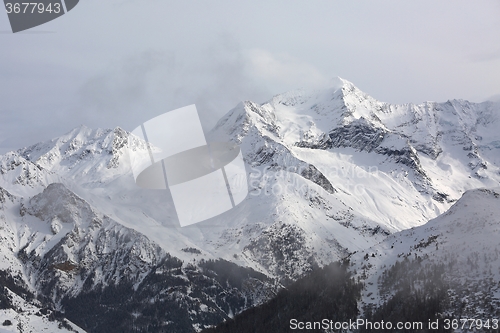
point(147, 83)
point(135, 88)
point(283, 70)
point(125, 84)
point(494, 98)
point(156, 81)
point(123, 89)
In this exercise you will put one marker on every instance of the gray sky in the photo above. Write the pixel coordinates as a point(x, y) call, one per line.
point(120, 62)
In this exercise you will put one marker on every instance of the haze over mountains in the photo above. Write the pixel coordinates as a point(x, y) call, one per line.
point(332, 172)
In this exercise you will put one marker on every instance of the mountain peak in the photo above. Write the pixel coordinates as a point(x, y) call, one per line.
point(79, 150)
point(337, 83)
point(472, 205)
point(337, 87)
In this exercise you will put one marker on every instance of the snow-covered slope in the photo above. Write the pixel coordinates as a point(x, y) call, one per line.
point(22, 177)
point(331, 172)
point(319, 226)
point(20, 311)
point(71, 257)
point(442, 276)
point(24, 316)
point(461, 244)
point(387, 161)
point(335, 170)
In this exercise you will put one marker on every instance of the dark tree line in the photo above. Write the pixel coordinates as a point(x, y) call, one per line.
point(167, 300)
point(329, 292)
point(418, 293)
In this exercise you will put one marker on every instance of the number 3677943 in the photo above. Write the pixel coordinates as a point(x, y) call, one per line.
point(32, 8)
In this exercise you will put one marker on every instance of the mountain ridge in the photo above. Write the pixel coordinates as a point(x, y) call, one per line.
point(444, 270)
point(331, 172)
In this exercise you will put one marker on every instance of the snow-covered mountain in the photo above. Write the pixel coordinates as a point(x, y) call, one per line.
point(435, 150)
point(442, 276)
point(331, 172)
point(457, 251)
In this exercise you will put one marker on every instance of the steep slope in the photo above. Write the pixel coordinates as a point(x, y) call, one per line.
point(248, 235)
point(415, 158)
point(20, 311)
point(108, 278)
point(331, 172)
point(327, 294)
point(457, 252)
point(19, 315)
point(447, 269)
point(70, 153)
point(22, 177)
